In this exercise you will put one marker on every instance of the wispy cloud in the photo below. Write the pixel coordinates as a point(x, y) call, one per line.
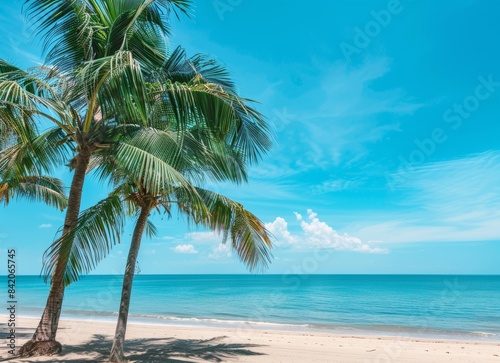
point(458, 186)
point(188, 249)
point(336, 185)
point(203, 237)
point(348, 92)
point(45, 225)
point(349, 106)
point(317, 234)
point(337, 118)
point(454, 200)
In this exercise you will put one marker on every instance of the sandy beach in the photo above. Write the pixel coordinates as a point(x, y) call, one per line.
point(87, 341)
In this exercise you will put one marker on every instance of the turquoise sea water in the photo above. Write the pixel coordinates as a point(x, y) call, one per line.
point(459, 307)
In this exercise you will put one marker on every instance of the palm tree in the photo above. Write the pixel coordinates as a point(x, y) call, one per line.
point(214, 158)
point(142, 195)
point(247, 233)
point(101, 51)
point(201, 150)
point(96, 49)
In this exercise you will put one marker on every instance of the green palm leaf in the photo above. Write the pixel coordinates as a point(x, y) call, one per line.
point(248, 235)
point(41, 188)
point(98, 229)
point(114, 83)
point(40, 155)
point(25, 95)
point(225, 114)
point(151, 156)
point(76, 31)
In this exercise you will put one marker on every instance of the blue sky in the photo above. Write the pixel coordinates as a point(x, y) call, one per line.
point(385, 116)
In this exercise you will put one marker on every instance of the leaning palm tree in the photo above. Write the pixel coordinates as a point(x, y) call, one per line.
point(64, 99)
point(96, 49)
point(145, 191)
point(246, 232)
point(191, 154)
point(102, 53)
point(213, 158)
point(201, 153)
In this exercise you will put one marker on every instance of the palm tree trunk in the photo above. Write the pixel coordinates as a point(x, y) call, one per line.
point(44, 341)
point(121, 326)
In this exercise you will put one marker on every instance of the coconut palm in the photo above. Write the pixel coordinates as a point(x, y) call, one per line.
point(101, 53)
point(142, 196)
point(246, 232)
point(195, 153)
point(96, 49)
point(34, 96)
point(211, 158)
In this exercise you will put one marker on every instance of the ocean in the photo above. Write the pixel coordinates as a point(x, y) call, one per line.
point(455, 307)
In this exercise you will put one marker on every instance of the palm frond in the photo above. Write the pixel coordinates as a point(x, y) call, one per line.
point(98, 229)
point(115, 83)
point(150, 229)
point(71, 32)
point(25, 95)
point(213, 72)
point(76, 31)
point(41, 188)
point(225, 114)
point(41, 155)
point(151, 156)
point(248, 235)
point(213, 158)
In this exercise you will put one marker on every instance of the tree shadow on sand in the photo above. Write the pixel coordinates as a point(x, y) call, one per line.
point(157, 350)
point(174, 350)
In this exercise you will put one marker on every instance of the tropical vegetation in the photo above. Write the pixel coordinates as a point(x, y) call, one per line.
point(124, 107)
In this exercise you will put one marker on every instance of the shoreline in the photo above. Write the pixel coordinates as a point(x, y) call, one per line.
point(85, 340)
point(213, 323)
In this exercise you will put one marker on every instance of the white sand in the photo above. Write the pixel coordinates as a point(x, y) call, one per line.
point(85, 341)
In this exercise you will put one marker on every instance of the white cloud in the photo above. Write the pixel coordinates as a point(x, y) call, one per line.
point(317, 234)
point(45, 225)
point(185, 249)
point(221, 251)
point(279, 229)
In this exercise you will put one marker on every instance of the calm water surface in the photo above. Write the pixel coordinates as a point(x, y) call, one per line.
point(465, 307)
